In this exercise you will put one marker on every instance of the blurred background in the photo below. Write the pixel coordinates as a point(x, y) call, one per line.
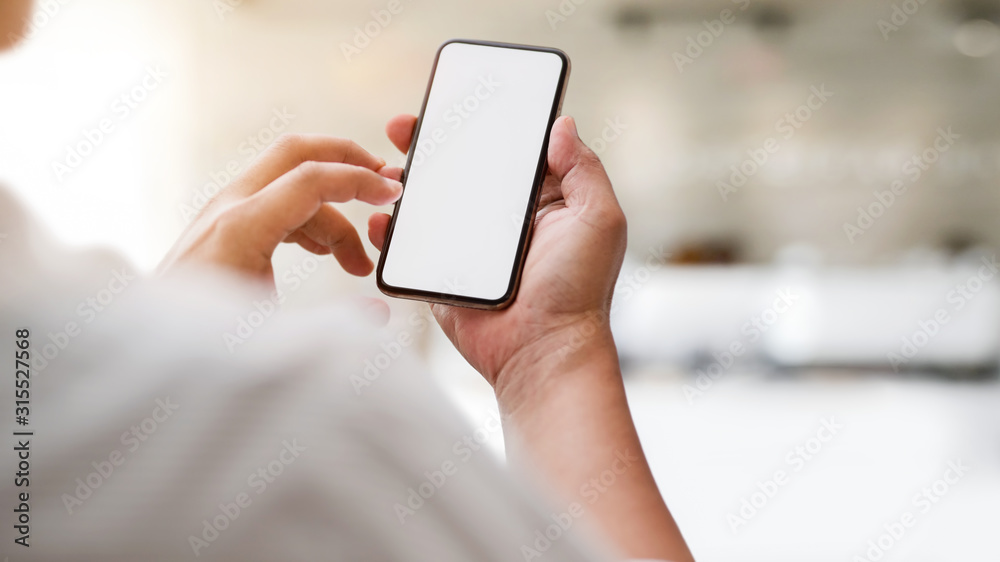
point(812, 194)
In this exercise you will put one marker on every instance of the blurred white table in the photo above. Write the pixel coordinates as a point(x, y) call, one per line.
point(813, 316)
point(898, 437)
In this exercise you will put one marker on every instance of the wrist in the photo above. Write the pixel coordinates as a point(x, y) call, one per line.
point(581, 351)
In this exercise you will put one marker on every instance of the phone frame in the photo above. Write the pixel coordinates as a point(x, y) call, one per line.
point(532, 207)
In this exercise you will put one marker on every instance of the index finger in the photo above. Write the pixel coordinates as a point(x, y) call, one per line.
point(269, 216)
point(291, 150)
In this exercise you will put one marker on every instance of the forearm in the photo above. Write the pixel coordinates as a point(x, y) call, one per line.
point(572, 422)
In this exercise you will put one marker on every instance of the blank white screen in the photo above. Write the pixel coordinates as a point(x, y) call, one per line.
point(459, 222)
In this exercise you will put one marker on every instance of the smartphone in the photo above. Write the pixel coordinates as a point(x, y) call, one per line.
point(459, 234)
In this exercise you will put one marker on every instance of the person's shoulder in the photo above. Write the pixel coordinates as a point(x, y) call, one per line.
point(241, 334)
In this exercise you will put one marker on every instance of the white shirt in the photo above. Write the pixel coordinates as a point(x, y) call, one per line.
point(152, 441)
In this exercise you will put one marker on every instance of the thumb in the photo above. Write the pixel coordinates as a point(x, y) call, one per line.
point(580, 172)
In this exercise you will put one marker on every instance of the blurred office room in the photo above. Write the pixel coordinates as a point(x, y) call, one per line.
point(813, 196)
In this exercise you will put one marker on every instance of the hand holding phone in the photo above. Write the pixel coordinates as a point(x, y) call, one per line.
point(569, 274)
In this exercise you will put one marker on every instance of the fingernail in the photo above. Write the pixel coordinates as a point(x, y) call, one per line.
point(395, 186)
point(381, 162)
point(572, 126)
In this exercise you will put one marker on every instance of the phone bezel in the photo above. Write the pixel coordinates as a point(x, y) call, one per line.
point(532, 207)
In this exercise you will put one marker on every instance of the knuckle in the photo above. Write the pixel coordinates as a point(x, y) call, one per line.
point(228, 219)
point(351, 148)
point(290, 142)
point(351, 152)
point(339, 238)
